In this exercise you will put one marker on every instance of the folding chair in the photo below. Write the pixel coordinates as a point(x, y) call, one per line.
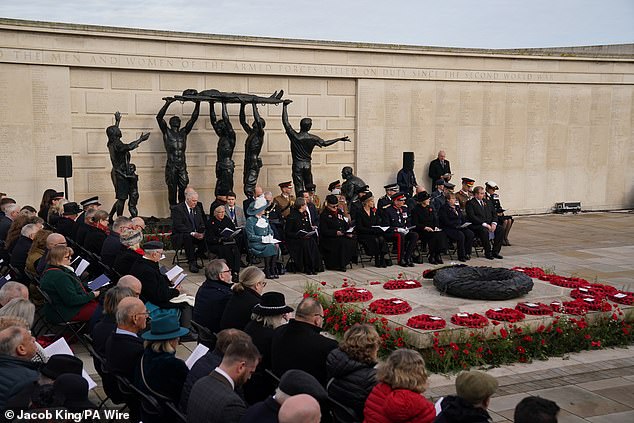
point(205, 336)
point(100, 364)
point(74, 327)
point(340, 413)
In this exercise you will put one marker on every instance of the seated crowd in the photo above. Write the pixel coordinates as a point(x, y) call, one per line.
point(266, 361)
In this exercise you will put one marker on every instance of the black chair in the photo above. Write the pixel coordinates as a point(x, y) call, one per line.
point(100, 364)
point(177, 413)
point(74, 327)
point(205, 336)
point(340, 413)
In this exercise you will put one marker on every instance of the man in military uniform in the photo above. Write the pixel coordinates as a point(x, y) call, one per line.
point(505, 221)
point(466, 193)
point(386, 201)
point(285, 200)
point(397, 218)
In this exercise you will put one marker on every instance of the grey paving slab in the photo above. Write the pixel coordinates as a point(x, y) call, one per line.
point(625, 417)
point(581, 402)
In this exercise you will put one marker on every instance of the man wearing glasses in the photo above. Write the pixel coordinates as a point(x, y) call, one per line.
point(398, 219)
point(124, 348)
point(213, 295)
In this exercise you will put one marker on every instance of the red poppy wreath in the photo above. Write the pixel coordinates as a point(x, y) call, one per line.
point(401, 284)
point(426, 322)
point(533, 272)
point(390, 306)
point(535, 309)
point(622, 297)
point(352, 295)
point(505, 314)
point(470, 320)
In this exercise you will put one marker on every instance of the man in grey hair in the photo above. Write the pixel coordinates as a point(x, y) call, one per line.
point(112, 246)
point(17, 348)
point(213, 295)
point(11, 290)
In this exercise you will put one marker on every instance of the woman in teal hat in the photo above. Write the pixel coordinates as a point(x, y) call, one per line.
point(160, 373)
point(259, 237)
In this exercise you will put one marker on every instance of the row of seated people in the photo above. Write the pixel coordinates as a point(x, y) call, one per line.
point(230, 382)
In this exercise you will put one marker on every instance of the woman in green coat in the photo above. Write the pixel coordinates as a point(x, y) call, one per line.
point(73, 300)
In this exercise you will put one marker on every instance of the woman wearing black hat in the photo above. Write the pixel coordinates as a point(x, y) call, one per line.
point(218, 236)
point(370, 235)
point(302, 239)
point(426, 222)
point(271, 313)
point(336, 244)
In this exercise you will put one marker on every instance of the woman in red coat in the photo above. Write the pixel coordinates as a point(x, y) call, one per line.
point(398, 398)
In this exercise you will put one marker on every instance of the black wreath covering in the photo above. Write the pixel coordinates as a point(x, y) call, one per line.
point(482, 283)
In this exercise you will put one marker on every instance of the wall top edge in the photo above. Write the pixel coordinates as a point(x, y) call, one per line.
point(559, 53)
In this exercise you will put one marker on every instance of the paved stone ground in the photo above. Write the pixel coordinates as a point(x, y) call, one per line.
point(593, 386)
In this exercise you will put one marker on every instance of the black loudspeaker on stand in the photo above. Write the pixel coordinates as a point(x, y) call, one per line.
point(65, 170)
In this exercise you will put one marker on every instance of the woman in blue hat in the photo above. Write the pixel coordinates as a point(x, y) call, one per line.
point(260, 235)
point(160, 373)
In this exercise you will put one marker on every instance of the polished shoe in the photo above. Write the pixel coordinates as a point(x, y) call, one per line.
point(193, 268)
point(467, 257)
point(497, 256)
point(488, 256)
point(403, 263)
point(388, 262)
point(432, 259)
point(462, 259)
point(410, 264)
point(439, 259)
point(506, 243)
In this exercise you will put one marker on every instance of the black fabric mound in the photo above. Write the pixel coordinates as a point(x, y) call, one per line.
point(482, 283)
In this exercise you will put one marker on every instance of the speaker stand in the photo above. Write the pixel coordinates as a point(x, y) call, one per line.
point(66, 187)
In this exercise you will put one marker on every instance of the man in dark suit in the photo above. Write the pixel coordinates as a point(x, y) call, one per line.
point(208, 362)
point(66, 223)
point(112, 245)
point(11, 211)
point(299, 345)
point(124, 349)
point(188, 229)
point(213, 398)
point(481, 214)
point(213, 295)
point(439, 169)
point(234, 212)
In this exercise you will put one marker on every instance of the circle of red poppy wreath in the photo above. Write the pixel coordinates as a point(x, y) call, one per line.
point(622, 297)
point(390, 306)
point(535, 309)
point(426, 322)
point(352, 295)
point(594, 304)
point(470, 320)
point(533, 272)
point(564, 281)
point(401, 284)
point(505, 314)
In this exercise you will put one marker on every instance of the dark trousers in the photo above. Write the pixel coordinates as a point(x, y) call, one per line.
point(463, 238)
point(482, 233)
point(406, 244)
point(192, 246)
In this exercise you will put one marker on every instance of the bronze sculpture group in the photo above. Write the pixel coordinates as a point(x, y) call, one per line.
point(124, 177)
